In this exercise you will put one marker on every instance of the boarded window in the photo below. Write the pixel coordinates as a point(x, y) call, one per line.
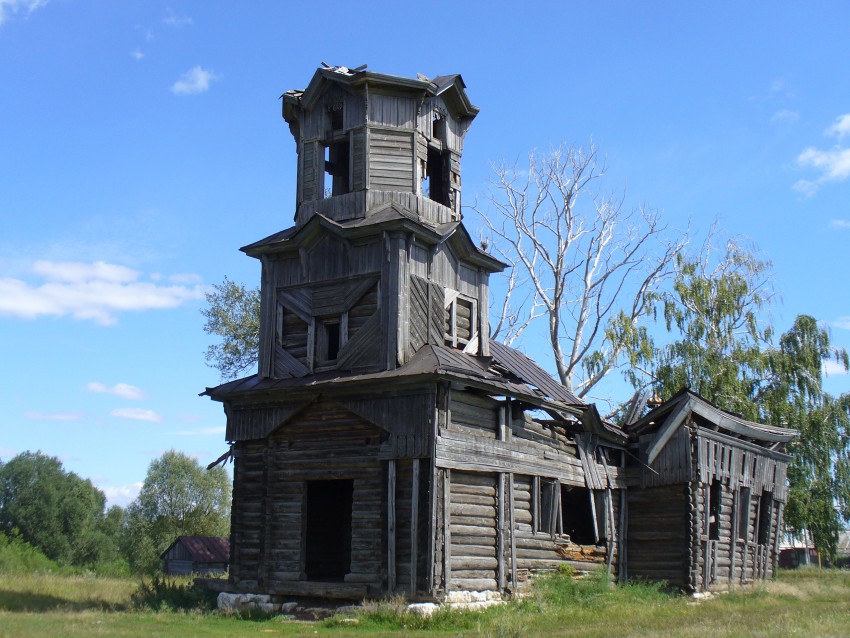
point(460, 322)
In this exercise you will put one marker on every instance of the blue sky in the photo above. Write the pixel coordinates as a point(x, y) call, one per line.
point(141, 144)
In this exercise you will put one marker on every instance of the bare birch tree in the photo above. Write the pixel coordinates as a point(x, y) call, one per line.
point(580, 260)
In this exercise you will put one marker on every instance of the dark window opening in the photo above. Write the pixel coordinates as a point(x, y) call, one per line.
point(332, 329)
point(743, 512)
point(336, 168)
point(577, 514)
point(328, 533)
point(437, 174)
point(765, 515)
point(336, 112)
point(714, 494)
point(438, 128)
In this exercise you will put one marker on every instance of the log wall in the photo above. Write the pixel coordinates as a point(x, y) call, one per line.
point(324, 442)
point(246, 539)
point(659, 534)
point(473, 531)
point(735, 555)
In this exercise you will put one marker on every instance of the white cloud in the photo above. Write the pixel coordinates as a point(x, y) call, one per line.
point(195, 80)
point(841, 322)
point(784, 116)
point(833, 368)
point(839, 224)
point(217, 430)
point(833, 164)
point(137, 53)
point(806, 187)
point(79, 272)
point(136, 414)
point(840, 127)
point(54, 416)
point(123, 390)
point(8, 7)
point(96, 291)
point(173, 19)
point(121, 495)
point(185, 278)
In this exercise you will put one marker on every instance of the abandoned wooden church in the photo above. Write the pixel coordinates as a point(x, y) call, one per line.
point(388, 445)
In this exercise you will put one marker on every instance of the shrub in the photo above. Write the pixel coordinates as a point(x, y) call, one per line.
point(17, 556)
point(173, 593)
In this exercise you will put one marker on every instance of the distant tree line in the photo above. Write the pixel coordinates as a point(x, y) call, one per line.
point(65, 516)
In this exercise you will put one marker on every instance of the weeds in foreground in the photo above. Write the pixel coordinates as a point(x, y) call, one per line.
point(172, 593)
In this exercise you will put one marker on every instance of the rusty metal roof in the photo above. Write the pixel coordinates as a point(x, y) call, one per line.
point(529, 372)
point(204, 549)
point(524, 377)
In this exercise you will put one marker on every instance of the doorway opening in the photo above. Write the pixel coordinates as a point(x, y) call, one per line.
point(328, 555)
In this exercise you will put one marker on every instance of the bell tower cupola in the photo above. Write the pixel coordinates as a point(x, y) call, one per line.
point(365, 139)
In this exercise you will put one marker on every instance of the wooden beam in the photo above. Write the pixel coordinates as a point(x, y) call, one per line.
point(622, 538)
point(668, 430)
point(391, 553)
point(447, 530)
point(611, 527)
point(513, 530)
point(733, 541)
point(500, 533)
point(414, 526)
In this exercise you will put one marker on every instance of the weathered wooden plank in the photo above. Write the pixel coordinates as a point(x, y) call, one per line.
point(414, 524)
point(391, 540)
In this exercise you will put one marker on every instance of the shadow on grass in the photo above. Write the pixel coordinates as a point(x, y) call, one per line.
point(29, 602)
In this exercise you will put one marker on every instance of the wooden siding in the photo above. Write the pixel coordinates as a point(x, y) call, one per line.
point(294, 335)
point(358, 161)
point(739, 464)
point(425, 314)
point(390, 160)
point(673, 465)
point(455, 130)
point(392, 110)
point(312, 170)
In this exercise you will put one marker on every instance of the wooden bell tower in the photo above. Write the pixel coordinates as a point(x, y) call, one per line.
point(366, 138)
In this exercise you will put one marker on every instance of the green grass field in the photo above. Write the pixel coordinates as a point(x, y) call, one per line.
point(800, 603)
